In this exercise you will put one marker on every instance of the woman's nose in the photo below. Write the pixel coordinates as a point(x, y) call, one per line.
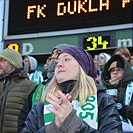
point(59, 64)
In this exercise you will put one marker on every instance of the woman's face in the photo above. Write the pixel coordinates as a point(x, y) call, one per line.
point(101, 62)
point(116, 72)
point(67, 68)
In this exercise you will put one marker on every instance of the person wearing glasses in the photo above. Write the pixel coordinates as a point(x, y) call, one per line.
point(125, 53)
point(118, 79)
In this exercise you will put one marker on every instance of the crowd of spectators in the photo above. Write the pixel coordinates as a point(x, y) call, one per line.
point(25, 91)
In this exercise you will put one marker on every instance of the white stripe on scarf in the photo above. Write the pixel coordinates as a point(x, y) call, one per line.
point(88, 111)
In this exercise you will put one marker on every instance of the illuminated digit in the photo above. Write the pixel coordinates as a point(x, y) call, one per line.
point(59, 13)
point(100, 42)
point(39, 11)
point(14, 46)
point(124, 3)
point(104, 4)
point(93, 42)
point(80, 6)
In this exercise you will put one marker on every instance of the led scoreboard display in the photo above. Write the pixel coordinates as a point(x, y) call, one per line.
point(97, 40)
point(94, 42)
point(42, 16)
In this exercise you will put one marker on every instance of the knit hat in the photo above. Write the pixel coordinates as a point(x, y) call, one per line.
point(33, 62)
point(51, 68)
point(12, 56)
point(83, 58)
point(61, 46)
point(115, 64)
point(105, 56)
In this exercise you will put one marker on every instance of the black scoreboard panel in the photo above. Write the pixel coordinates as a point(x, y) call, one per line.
point(97, 40)
point(42, 16)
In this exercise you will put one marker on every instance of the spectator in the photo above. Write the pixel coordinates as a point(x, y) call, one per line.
point(46, 65)
point(118, 79)
point(71, 103)
point(36, 94)
point(102, 60)
point(34, 75)
point(25, 66)
point(96, 65)
point(124, 52)
point(12, 74)
point(95, 62)
point(48, 62)
point(131, 60)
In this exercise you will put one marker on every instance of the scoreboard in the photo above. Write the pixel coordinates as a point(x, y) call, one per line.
point(34, 26)
point(41, 18)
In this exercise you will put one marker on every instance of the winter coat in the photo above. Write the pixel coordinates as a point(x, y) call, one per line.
point(108, 119)
point(28, 105)
point(127, 77)
point(13, 101)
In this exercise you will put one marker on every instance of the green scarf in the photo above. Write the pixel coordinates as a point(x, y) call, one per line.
point(127, 98)
point(37, 95)
point(88, 111)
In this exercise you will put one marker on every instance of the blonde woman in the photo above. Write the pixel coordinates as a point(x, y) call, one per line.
point(72, 103)
point(124, 52)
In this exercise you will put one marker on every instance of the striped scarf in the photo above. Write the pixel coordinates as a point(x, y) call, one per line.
point(88, 111)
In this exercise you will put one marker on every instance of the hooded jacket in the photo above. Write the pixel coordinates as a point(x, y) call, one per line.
point(127, 77)
point(13, 101)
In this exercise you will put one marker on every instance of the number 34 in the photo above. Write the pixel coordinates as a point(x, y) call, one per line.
point(95, 41)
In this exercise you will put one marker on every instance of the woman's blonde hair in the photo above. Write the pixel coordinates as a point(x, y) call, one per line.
point(83, 88)
point(124, 50)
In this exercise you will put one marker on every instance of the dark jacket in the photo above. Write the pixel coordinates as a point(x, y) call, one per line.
point(13, 101)
point(127, 77)
point(108, 119)
point(27, 107)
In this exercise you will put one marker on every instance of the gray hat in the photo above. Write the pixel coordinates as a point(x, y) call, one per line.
point(33, 62)
point(61, 46)
point(12, 56)
point(105, 56)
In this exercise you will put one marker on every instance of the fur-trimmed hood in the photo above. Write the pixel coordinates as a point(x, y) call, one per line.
point(127, 75)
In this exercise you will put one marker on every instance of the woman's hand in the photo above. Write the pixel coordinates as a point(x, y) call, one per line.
point(62, 106)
